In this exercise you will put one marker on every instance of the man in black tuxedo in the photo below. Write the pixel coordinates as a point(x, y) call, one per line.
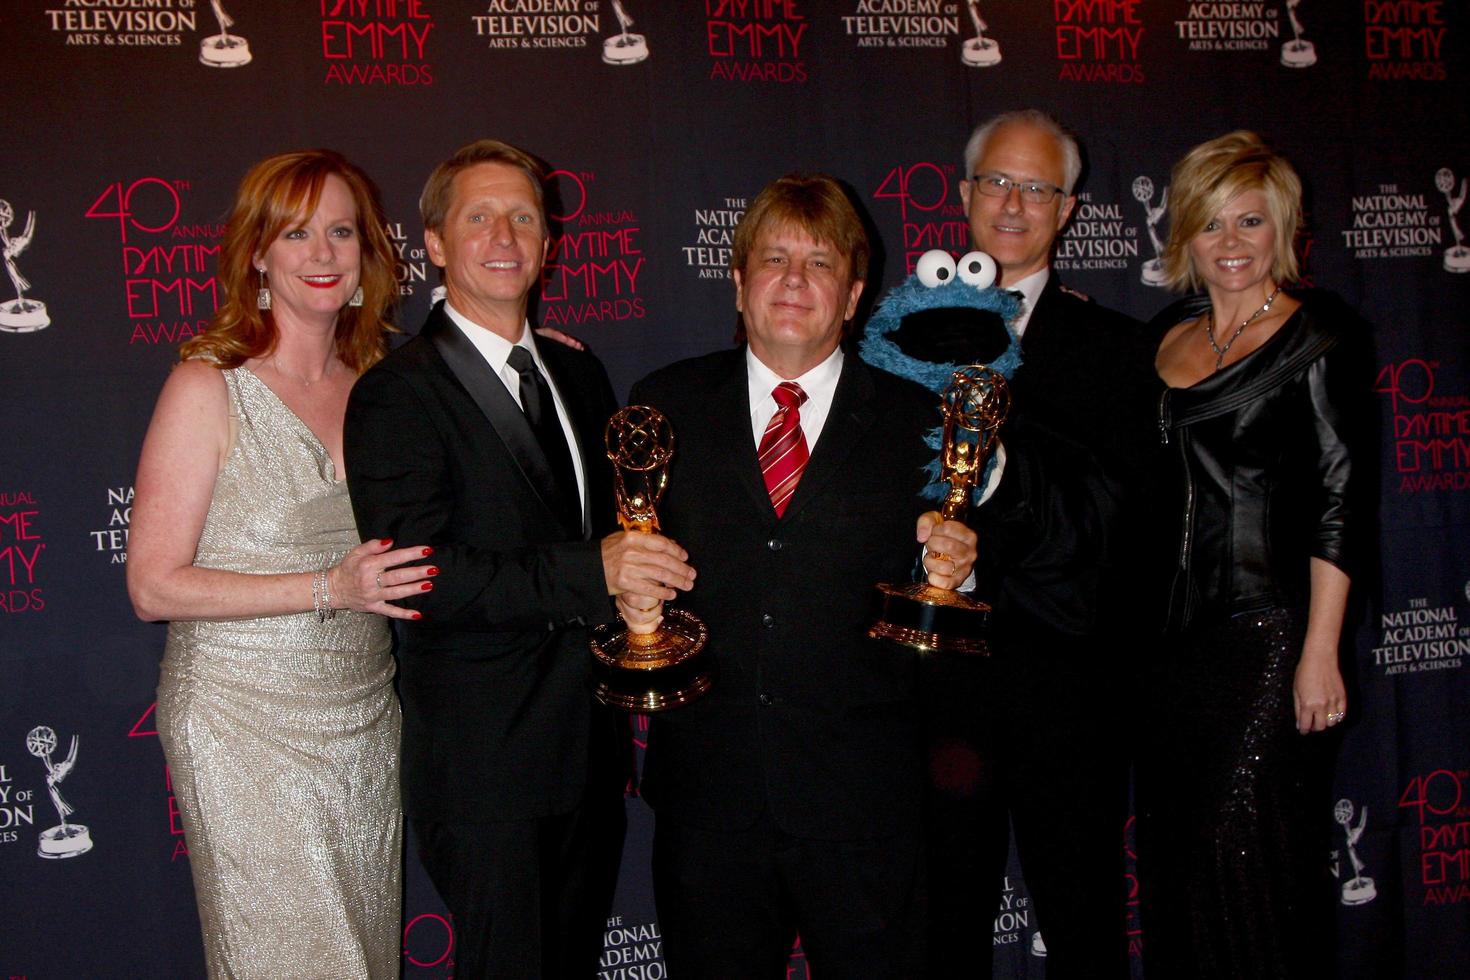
point(1048, 750)
point(487, 446)
point(787, 798)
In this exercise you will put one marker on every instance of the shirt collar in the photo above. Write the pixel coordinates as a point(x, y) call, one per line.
point(1030, 289)
point(494, 348)
point(818, 383)
point(1032, 285)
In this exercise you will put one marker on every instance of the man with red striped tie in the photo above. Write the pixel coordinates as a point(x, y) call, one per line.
point(788, 798)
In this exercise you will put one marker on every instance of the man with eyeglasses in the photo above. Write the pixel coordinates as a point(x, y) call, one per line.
point(1043, 716)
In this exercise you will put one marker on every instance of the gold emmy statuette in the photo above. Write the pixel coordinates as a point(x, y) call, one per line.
point(919, 615)
point(659, 670)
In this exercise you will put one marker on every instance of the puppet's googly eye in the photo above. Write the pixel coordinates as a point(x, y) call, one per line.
point(935, 268)
point(976, 269)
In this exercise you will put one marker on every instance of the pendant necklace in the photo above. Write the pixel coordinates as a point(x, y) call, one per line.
point(1220, 352)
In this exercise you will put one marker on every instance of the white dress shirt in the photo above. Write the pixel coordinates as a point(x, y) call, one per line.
point(495, 349)
point(820, 384)
point(1030, 289)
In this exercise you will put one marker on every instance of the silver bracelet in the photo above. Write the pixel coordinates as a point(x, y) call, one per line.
point(321, 597)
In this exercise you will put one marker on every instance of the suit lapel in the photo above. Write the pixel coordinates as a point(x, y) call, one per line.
point(729, 402)
point(499, 408)
point(850, 417)
point(1039, 328)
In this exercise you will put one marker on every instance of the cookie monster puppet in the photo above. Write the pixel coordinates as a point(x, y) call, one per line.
point(945, 316)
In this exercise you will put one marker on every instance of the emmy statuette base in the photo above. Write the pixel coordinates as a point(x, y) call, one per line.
point(67, 840)
point(651, 672)
point(25, 316)
point(1358, 891)
point(1298, 54)
point(625, 49)
point(931, 620)
point(979, 53)
point(1457, 259)
point(224, 51)
point(1152, 273)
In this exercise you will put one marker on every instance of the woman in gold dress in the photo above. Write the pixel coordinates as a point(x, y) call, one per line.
point(275, 702)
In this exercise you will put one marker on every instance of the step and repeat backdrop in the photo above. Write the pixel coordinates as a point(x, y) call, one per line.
point(128, 124)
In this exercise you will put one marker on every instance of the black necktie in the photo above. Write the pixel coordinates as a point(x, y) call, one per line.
point(540, 410)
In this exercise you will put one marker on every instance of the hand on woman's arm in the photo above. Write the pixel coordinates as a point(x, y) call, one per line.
point(1318, 692)
point(185, 447)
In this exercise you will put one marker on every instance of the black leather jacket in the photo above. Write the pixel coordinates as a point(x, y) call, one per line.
point(1262, 463)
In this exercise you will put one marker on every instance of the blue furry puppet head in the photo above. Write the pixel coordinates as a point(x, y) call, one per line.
point(943, 317)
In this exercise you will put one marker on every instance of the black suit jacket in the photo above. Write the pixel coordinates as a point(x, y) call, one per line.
point(808, 719)
point(1059, 537)
point(495, 679)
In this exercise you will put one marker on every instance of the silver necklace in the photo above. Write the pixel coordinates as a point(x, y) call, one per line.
point(308, 382)
point(1220, 352)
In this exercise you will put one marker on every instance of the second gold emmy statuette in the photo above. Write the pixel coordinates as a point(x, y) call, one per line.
point(919, 615)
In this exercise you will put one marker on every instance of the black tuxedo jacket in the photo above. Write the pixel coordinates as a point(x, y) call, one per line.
point(495, 679)
point(807, 719)
point(1060, 534)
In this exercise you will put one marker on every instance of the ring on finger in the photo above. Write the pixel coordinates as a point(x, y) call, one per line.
point(379, 579)
point(1333, 717)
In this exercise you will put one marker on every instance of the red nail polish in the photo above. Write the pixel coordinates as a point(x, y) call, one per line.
point(428, 552)
point(426, 586)
point(432, 570)
point(418, 615)
point(387, 542)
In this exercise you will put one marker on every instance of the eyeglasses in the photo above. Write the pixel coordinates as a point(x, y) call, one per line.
point(1032, 192)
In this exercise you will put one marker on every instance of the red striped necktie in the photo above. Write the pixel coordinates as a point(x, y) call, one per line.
point(783, 453)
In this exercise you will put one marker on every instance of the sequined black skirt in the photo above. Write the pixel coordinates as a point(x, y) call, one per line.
point(1232, 803)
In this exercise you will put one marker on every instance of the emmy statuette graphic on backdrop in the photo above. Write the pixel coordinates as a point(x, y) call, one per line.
point(624, 48)
point(65, 840)
point(224, 50)
point(19, 315)
point(1152, 272)
point(662, 669)
point(921, 616)
point(1297, 53)
point(1359, 889)
point(1457, 256)
point(979, 51)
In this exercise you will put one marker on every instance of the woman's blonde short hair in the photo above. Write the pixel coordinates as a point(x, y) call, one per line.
point(1209, 177)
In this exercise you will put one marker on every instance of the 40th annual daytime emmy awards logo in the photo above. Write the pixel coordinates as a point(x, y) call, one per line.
point(65, 840)
point(1457, 256)
point(1152, 272)
point(223, 50)
point(19, 315)
point(1298, 52)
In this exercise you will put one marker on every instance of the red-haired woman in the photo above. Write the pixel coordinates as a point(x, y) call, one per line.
point(275, 702)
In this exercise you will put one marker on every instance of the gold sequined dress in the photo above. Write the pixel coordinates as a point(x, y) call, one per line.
point(281, 733)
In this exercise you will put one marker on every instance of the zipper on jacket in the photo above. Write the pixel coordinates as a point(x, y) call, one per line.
point(1180, 613)
point(1164, 418)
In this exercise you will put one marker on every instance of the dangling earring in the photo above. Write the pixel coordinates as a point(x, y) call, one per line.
point(263, 298)
point(356, 299)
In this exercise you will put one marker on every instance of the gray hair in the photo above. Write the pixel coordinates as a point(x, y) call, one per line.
point(1071, 152)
